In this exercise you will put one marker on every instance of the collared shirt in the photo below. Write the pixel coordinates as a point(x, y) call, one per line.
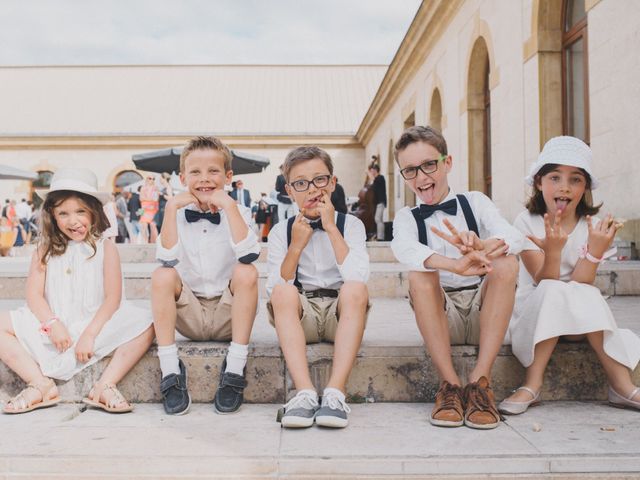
point(205, 254)
point(318, 267)
point(409, 251)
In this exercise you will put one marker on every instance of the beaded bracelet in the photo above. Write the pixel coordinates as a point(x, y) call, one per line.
point(45, 327)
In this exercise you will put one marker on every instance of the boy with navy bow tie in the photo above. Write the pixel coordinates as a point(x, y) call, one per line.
point(207, 287)
point(462, 255)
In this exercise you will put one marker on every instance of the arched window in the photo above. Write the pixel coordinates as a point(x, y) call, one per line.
point(479, 119)
point(435, 115)
point(127, 177)
point(43, 182)
point(575, 71)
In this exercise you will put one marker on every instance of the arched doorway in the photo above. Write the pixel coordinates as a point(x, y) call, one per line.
point(43, 182)
point(479, 118)
point(435, 112)
point(125, 178)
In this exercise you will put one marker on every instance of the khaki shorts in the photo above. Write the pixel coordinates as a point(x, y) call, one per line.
point(204, 319)
point(319, 318)
point(463, 315)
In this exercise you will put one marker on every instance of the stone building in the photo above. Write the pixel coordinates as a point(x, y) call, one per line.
point(498, 77)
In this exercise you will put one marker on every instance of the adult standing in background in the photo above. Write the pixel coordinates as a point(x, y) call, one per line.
point(121, 215)
point(150, 201)
point(134, 207)
point(380, 190)
point(338, 198)
point(286, 208)
point(241, 195)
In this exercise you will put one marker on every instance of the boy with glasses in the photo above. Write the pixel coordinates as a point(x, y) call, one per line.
point(318, 269)
point(462, 282)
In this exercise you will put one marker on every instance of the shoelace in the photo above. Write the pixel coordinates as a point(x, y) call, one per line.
point(336, 403)
point(478, 397)
point(451, 399)
point(301, 400)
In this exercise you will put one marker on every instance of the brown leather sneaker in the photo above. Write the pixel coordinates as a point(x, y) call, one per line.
point(480, 406)
point(448, 410)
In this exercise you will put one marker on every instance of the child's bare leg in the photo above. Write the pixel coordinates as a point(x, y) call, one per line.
point(617, 374)
point(534, 376)
point(14, 356)
point(428, 304)
point(498, 296)
point(166, 287)
point(352, 308)
point(287, 312)
point(244, 286)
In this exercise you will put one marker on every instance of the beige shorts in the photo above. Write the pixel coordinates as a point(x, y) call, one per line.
point(463, 315)
point(204, 319)
point(319, 318)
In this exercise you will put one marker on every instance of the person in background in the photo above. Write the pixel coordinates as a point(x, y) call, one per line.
point(286, 208)
point(166, 192)
point(149, 199)
point(380, 190)
point(121, 215)
point(339, 199)
point(240, 194)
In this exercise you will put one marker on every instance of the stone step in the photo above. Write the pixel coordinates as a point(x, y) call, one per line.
point(558, 440)
point(129, 253)
point(391, 365)
point(387, 279)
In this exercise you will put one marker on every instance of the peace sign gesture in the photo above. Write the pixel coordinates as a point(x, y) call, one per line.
point(463, 241)
point(555, 237)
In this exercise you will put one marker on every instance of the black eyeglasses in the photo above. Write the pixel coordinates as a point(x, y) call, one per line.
point(303, 185)
point(427, 167)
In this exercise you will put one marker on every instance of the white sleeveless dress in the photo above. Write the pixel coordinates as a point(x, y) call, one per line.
point(74, 290)
point(563, 307)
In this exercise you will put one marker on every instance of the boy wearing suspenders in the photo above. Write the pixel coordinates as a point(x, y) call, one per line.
point(462, 282)
point(318, 269)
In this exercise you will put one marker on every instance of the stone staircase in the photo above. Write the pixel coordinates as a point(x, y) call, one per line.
point(391, 366)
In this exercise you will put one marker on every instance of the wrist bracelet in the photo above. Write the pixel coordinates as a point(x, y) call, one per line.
point(591, 258)
point(45, 327)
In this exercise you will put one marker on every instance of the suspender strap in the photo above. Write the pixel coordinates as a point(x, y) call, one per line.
point(342, 218)
point(422, 229)
point(468, 214)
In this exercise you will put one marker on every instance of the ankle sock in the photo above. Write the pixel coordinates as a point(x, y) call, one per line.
point(335, 392)
point(237, 358)
point(311, 393)
point(168, 356)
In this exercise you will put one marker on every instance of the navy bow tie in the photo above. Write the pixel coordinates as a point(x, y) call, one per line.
point(194, 216)
point(449, 207)
point(316, 225)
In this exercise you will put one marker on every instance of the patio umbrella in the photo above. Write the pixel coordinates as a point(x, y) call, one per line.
point(12, 173)
point(168, 160)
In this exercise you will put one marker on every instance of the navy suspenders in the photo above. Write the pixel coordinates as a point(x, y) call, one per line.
point(466, 211)
point(339, 223)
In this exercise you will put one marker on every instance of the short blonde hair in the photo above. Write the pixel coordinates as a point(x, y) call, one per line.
point(304, 154)
point(206, 143)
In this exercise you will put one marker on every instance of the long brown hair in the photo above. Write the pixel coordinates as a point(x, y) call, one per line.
point(52, 241)
point(536, 204)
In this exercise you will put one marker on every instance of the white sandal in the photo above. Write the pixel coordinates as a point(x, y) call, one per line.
point(509, 407)
point(20, 403)
point(617, 400)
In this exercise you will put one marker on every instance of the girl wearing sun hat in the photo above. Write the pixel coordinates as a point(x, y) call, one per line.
point(556, 297)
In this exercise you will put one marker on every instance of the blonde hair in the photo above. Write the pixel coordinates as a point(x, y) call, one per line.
point(206, 143)
point(304, 154)
point(52, 241)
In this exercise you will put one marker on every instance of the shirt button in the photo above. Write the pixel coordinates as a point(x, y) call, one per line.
point(204, 230)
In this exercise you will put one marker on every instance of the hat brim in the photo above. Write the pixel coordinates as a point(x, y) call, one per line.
point(102, 197)
point(529, 179)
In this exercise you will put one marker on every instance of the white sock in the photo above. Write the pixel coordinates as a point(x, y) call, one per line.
point(308, 391)
point(335, 392)
point(237, 358)
point(168, 356)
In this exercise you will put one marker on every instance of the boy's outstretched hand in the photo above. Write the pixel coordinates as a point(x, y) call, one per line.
point(467, 242)
point(327, 212)
point(472, 263)
point(301, 232)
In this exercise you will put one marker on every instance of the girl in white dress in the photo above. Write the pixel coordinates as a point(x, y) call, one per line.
point(555, 295)
point(74, 315)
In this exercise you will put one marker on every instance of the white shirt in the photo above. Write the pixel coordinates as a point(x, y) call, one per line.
point(205, 254)
point(317, 267)
point(409, 251)
point(23, 210)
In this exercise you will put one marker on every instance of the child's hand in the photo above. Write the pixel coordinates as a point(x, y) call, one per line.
point(463, 241)
point(472, 263)
point(182, 200)
point(60, 336)
point(601, 236)
point(220, 200)
point(555, 237)
point(327, 212)
point(301, 232)
point(84, 347)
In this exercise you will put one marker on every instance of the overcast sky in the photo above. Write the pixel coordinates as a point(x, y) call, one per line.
point(97, 32)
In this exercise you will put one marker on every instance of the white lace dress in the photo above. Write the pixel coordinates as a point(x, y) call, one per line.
point(74, 290)
point(563, 307)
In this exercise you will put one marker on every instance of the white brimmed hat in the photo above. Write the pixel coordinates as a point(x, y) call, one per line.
point(564, 150)
point(75, 179)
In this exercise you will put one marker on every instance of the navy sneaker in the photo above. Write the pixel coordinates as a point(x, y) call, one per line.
point(176, 398)
point(300, 411)
point(229, 396)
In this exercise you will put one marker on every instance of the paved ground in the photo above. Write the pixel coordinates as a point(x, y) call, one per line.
point(393, 439)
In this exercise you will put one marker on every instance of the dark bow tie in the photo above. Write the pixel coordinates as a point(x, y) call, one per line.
point(316, 225)
point(449, 207)
point(194, 216)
